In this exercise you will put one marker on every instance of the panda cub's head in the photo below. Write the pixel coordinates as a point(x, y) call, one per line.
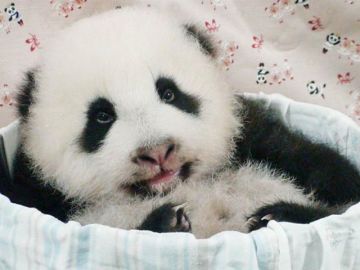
point(131, 100)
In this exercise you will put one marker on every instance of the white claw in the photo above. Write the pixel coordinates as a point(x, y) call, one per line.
point(176, 208)
point(251, 221)
point(267, 217)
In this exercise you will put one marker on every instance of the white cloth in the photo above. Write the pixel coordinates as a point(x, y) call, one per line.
point(31, 240)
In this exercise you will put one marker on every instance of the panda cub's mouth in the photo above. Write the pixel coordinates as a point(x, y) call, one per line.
point(162, 178)
point(162, 183)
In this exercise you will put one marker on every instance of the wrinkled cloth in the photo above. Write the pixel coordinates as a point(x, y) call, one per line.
point(31, 240)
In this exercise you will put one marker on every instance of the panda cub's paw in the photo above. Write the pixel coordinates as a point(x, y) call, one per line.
point(287, 211)
point(167, 218)
point(256, 222)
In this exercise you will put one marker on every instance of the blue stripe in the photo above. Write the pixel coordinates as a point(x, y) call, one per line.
point(124, 248)
point(83, 248)
point(49, 242)
point(186, 251)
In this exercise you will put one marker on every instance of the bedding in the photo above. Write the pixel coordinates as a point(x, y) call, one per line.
point(331, 244)
point(29, 239)
point(306, 50)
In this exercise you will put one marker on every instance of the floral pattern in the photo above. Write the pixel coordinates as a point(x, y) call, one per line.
point(65, 7)
point(292, 47)
point(6, 96)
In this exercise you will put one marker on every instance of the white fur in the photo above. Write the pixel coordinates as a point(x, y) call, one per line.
point(119, 55)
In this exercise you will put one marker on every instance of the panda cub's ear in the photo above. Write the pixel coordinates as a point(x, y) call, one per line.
point(25, 95)
point(204, 40)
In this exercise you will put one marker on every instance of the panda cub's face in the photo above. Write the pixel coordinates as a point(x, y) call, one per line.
point(128, 100)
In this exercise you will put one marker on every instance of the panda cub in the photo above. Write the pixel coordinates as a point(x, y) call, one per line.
point(128, 122)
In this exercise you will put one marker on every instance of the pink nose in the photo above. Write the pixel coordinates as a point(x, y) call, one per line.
point(156, 155)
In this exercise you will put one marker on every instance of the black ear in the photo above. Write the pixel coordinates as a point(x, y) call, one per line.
point(25, 96)
point(12, 4)
point(202, 38)
point(5, 9)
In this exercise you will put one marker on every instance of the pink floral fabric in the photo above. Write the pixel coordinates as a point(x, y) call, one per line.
point(304, 49)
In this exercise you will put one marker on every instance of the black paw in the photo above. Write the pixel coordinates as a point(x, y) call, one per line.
point(256, 222)
point(285, 211)
point(167, 218)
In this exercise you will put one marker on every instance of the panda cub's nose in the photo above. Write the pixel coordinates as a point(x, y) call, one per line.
point(156, 155)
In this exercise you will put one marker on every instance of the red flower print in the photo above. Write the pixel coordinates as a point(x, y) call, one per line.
point(6, 97)
point(316, 24)
point(232, 47)
point(227, 53)
point(79, 3)
point(276, 74)
point(273, 9)
point(33, 41)
point(258, 42)
point(212, 26)
point(284, 2)
point(344, 78)
point(65, 7)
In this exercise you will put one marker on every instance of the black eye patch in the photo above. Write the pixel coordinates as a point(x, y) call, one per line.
point(100, 117)
point(169, 93)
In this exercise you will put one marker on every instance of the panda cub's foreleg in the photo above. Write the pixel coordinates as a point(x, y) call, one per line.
point(315, 167)
point(172, 218)
point(289, 212)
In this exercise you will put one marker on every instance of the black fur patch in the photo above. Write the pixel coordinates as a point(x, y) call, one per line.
point(184, 102)
point(28, 189)
point(94, 132)
point(25, 97)
point(315, 166)
point(289, 212)
point(204, 40)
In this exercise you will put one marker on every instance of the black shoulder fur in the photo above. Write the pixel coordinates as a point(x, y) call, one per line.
point(314, 166)
point(28, 189)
